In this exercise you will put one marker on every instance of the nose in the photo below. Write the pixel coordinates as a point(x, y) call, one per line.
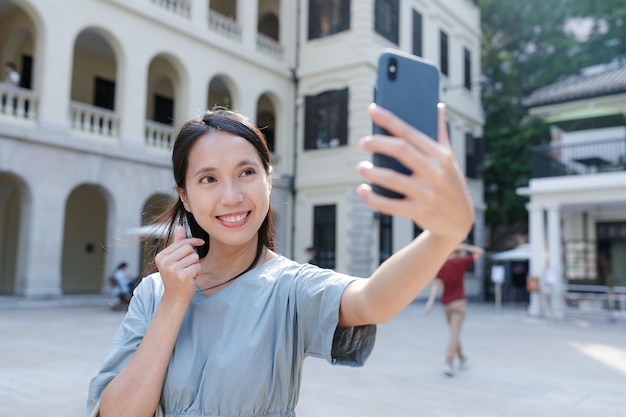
point(231, 193)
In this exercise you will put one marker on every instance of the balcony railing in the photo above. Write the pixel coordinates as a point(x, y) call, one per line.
point(94, 120)
point(224, 25)
point(583, 158)
point(269, 46)
point(18, 103)
point(159, 135)
point(179, 7)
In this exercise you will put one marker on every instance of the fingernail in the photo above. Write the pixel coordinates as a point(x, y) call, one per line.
point(365, 165)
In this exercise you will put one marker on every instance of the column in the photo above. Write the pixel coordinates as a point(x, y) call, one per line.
point(132, 94)
point(536, 235)
point(247, 17)
point(53, 74)
point(555, 260)
point(41, 270)
point(200, 14)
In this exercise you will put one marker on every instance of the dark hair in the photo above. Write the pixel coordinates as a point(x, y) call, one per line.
point(10, 65)
point(211, 121)
point(122, 265)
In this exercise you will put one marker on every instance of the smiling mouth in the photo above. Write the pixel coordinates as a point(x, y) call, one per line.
point(233, 218)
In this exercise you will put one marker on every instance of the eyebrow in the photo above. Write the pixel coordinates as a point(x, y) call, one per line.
point(242, 163)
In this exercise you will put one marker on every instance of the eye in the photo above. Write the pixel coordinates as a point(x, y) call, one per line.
point(207, 179)
point(247, 172)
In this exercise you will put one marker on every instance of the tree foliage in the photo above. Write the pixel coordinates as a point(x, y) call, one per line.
point(527, 45)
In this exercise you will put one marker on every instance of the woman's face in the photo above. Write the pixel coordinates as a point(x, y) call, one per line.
point(226, 188)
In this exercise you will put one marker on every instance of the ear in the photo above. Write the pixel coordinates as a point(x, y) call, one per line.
point(183, 197)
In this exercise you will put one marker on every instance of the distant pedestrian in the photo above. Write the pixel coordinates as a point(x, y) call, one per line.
point(12, 77)
point(451, 276)
point(121, 285)
point(310, 255)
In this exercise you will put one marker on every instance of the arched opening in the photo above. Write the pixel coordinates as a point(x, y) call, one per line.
point(219, 94)
point(266, 120)
point(11, 216)
point(226, 8)
point(94, 71)
point(84, 239)
point(268, 26)
point(161, 100)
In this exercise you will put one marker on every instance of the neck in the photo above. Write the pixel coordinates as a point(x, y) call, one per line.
point(220, 268)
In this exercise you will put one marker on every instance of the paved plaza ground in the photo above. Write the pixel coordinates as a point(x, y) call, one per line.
point(519, 366)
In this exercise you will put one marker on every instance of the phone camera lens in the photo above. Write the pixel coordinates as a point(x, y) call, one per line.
point(392, 69)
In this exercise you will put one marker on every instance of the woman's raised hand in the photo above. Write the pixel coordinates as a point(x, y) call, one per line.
point(436, 197)
point(179, 265)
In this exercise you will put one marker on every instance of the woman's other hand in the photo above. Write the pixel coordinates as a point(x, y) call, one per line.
point(179, 265)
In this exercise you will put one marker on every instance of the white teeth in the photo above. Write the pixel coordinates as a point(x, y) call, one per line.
point(233, 219)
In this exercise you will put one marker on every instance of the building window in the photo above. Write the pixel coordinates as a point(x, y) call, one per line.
point(104, 93)
point(327, 17)
point(163, 109)
point(386, 19)
point(473, 156)
point(324, 235)
point(467, 67)
point(326, 120)
point(443, 51)
point(417, 33)
point(385, 237)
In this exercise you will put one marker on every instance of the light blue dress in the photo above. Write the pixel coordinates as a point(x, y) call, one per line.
point(240, 351)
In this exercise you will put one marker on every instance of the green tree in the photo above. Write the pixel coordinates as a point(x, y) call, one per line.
point(527, 45)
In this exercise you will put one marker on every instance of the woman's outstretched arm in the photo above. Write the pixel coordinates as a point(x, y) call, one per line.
point(436, 199)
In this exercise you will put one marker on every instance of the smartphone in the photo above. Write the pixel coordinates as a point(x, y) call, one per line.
point(408, 86)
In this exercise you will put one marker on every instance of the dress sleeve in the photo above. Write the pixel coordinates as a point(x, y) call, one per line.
point(318, 296)
point(125, 342)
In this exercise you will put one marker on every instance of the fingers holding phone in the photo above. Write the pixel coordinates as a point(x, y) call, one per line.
point(179, 265)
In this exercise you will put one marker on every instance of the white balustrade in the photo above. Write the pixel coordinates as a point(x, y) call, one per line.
point(159, 135)
point(94, 120)
point(269, 46)
point(179, 7)
point(18, 103)
point(224, 25)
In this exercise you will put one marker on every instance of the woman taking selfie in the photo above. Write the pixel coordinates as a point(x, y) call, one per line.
point(223, 327)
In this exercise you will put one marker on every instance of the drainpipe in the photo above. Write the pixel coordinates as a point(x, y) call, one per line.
point(296, 83)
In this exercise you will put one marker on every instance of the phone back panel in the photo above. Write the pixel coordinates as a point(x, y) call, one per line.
point(411, 92)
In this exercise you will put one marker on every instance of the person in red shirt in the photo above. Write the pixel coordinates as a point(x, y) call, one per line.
point(451, 276)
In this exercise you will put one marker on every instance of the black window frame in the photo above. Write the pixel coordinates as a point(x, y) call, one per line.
point(387, 19)
point(328, 17)
point(418, 33)
point(467, 69)
point(324, 235)
point(331, 105)
point(444, 53)
point(385, 237)
point(104, 93)
point(473, 156)
point(163, 111)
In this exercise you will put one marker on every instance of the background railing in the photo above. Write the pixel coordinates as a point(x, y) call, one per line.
point(269, 46)
point(179, 7)
point(17, 102)
point(224, 25)
point(159, 135)
point(583, 158)
point(94, 120)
